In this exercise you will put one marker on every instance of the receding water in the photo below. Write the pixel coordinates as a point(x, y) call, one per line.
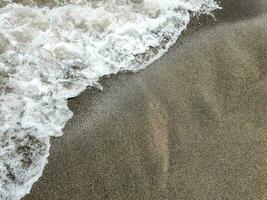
point(51, 50)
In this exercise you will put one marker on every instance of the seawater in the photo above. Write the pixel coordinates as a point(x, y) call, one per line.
point(52, 50)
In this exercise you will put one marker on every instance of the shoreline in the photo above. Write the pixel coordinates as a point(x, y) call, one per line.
point(101, 111)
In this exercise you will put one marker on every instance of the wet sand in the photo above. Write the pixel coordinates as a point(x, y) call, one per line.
point(192, 126)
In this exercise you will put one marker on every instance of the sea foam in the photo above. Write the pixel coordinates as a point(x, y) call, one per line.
point(52, 51)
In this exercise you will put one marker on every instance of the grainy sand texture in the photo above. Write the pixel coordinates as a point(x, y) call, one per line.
point(192, 126)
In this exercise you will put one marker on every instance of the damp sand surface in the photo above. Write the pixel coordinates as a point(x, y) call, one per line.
point(51, 54)
point(191, 126)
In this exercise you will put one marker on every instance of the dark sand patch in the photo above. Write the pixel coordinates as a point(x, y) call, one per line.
point(240, 9)
point(192, 126)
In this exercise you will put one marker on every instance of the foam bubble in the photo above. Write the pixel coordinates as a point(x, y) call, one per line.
point(48, 55)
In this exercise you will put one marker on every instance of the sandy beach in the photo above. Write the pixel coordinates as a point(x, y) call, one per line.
point(192, 126)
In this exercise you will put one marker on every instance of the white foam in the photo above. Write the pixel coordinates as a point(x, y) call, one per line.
point(49, 55)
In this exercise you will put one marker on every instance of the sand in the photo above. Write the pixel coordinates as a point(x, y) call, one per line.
point(192, 126)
